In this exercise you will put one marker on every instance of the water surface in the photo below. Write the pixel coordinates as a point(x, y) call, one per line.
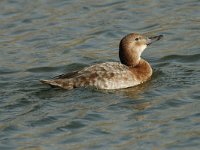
point(43, 38)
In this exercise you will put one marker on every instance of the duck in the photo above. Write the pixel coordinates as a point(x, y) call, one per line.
point(132, 70)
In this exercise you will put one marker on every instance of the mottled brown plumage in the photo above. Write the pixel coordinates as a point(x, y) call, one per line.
point(112, 75)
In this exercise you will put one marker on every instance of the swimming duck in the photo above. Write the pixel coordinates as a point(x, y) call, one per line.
point(132, 71)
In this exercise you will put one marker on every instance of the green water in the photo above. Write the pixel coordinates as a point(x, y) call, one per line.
point(43, 38)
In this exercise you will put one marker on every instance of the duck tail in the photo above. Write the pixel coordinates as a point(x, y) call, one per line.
point(57, 83)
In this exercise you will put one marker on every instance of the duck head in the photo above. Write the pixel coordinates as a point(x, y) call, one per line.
point(132, 45)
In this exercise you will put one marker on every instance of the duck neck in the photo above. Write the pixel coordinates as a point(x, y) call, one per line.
point(128, 56)
point(142, 71)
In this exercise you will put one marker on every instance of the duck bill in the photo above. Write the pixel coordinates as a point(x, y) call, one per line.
point(152, 39)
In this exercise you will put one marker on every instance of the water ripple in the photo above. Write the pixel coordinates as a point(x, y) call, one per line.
point(181, 58)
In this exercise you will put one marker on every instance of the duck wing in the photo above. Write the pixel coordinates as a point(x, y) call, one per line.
point(67, 75)
point(109, 75)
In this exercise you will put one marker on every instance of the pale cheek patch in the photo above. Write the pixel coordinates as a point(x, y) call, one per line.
point(142, 47)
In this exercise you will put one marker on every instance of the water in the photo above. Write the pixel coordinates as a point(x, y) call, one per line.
point(43, 38)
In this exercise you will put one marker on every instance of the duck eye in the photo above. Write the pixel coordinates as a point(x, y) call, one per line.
point(136, 39)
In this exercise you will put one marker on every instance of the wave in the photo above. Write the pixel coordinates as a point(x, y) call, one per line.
point(181, 58)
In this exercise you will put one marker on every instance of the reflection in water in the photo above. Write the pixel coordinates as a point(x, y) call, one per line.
point(142, 106)
point(135, 92)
